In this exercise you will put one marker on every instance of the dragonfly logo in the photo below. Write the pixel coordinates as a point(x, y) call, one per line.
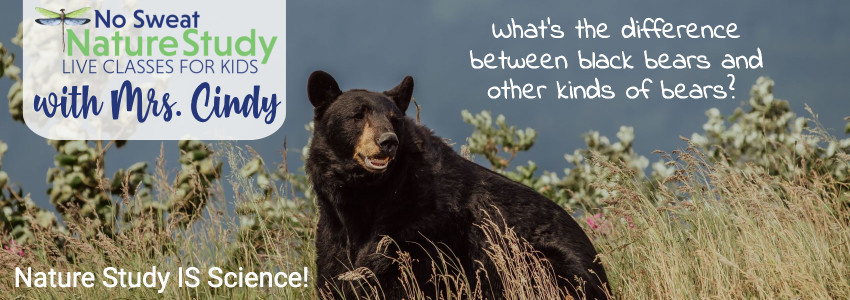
point(62, 18)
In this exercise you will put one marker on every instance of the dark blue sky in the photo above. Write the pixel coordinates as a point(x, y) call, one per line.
point(374, 44)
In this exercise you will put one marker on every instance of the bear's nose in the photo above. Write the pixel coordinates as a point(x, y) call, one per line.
point(388, 142)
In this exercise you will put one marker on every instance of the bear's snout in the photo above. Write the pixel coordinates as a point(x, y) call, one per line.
point(376, 147)
point(388, 142)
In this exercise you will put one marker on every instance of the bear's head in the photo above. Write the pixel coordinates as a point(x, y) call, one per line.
point(362, 129)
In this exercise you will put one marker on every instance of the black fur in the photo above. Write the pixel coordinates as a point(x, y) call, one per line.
point(427, 191)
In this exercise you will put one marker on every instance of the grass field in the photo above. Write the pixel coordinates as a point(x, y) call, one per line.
point(713, 231)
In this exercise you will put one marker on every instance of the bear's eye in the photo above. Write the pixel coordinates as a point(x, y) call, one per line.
point(361, 112)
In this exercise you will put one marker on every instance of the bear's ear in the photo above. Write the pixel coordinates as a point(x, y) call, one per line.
point(322, 89)
point(402, 93)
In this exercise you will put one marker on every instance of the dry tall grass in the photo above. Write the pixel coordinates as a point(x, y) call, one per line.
point(523, 272)
point(715, 230)
point(213, 240)
point(738, 232)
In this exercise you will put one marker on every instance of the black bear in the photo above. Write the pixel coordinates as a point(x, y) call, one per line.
point(378, 173)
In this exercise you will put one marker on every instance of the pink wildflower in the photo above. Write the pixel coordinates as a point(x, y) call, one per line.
point(595, 221)
point(14, 248)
